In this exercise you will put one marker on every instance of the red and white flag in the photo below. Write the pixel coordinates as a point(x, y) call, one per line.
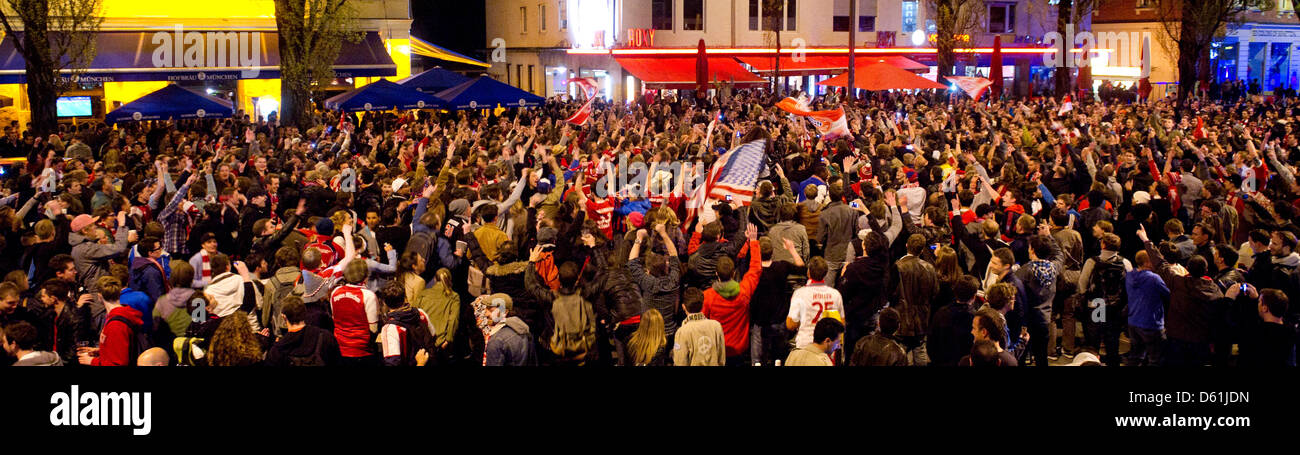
point(580, 118)
point(830, 124)
point(973, 86)
point(1066, 106)
point(588, 86)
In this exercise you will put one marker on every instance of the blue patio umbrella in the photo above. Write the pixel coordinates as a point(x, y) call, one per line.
point(382, 95)
point(172, 102)
point(486, 93)
point(434, 80)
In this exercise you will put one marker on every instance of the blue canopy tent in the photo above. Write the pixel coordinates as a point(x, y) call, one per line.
point(174, 102)
point(434, 80)
point(382, 95)
point(486, 93)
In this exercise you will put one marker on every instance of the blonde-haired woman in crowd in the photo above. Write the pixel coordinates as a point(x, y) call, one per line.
point(648, 345)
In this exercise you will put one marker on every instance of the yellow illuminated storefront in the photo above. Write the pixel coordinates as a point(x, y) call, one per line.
point(213, 43)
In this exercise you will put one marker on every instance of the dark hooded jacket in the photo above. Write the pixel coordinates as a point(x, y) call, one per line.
point(303, 344)
point(508, 279)
point(861, 285)
point(147, 277)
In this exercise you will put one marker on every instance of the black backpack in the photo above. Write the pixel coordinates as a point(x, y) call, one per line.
point(316, 359)
point(139, 339)
point(1107, 283)
point(417, 337)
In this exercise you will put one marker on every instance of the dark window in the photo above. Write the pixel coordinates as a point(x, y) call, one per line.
point(790, 18)
point(840, 23)
point(1002, 18)
point(530, 78)
point(866, 23)
point(771, 16)
point(692, 14)
point(661, 14)
point(753, 14)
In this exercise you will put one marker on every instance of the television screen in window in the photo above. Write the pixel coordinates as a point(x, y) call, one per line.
point(73, 106)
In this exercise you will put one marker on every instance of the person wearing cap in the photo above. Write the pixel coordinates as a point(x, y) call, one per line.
point(92, 257)
point(510, 341)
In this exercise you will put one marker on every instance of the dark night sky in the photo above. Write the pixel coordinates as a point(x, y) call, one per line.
point(458, 25)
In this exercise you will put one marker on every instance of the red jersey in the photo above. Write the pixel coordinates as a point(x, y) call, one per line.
point(603, 213)
point(354, 308)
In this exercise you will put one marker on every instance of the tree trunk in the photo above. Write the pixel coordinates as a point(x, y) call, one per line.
point(780, 87)
point(1064, 72)
point(295, 105)
point(1189, 51)
point(42, 88)
point(42, 94)
point(944, 42)
point(295, 76)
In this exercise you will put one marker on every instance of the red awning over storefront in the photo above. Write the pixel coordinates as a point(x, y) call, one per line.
point(828, 64)
point(812, 64)
point(679, 72)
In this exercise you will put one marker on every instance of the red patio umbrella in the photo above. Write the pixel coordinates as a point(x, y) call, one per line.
point(701, 71)
point(1144, 84)
point(896, 60)
point(995, 68)
point(883, 76)
point(1085, 79)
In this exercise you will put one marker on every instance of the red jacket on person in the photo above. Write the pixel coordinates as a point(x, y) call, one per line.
point(733, 313)
point(115, 338)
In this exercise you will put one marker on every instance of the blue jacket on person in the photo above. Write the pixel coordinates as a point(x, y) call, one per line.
point(798, 191)
point(1147, 294)
point(627, 206)
point(148, 278)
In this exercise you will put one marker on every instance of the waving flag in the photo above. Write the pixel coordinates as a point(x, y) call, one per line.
point(831, 124)
point(734, 174)
point(580, 118)
point(1066, 106)
point(588, 86)
point(973, 86)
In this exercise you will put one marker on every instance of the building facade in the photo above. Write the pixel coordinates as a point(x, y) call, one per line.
point(538, 45)
point(130, 45)
point(1258, 48)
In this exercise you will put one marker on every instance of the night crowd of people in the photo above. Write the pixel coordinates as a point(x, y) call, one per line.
point(945, 232)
